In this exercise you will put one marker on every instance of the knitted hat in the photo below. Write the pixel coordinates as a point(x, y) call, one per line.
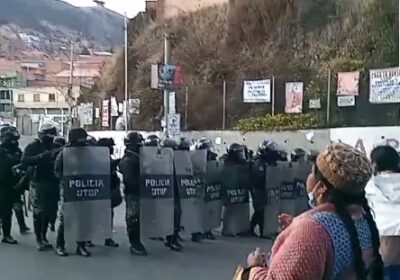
point(347, 169)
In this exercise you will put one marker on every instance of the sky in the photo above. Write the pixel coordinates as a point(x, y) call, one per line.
point(130, 7)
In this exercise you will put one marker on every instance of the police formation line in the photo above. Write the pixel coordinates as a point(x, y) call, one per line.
point(77, 183)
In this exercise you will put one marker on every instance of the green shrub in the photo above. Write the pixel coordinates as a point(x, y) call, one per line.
point(279, 122)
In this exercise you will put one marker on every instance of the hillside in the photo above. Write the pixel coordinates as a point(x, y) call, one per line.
point(251, 39)
point(49, 25)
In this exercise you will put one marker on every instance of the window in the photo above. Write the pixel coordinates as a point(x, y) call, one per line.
point(36, 97)
point(21, 98)
point(5, 94)
point(52, 97)
point(5, 108)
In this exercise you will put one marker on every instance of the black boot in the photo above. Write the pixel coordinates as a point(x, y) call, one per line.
point(9, 240)
point(197, 237)
point(209, 235)
point(137, 248)
point(173, 244)
point(37, 225)
point(23, 229)
point(111, 243)
point(90, 244)
point(61, 252)
point(81, 250)
point(46, 242)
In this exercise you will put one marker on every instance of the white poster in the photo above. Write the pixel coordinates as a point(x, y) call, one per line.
point(294, 98)
point(257, 91)
point(172, 103)
point(97, 113)
point(346, 101)
point(154, 76)
point(114, 107)
point(105, 114)
point(384, 86)
point(314, 103)
point(85, 112)
point(120, 107)
point(174, 125)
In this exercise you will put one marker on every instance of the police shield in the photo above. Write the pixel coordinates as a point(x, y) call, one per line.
point(212, 196)
point(272, 209)
point(287, 191)
point(189, 192)
point(156, 191)
point(86, 193)
point(235, 196)
point(302, 169)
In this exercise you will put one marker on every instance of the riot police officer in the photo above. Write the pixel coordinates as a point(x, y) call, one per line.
point(152, 141)
point(171, 241)
point(77, 137)
point(130, 169)
point(10, 155)
point(206, 144)
point(297, 155)
point(116, 198)
point(41, 155)
point(268, 154)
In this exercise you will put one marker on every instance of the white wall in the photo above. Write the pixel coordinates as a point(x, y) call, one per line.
point(44, 92)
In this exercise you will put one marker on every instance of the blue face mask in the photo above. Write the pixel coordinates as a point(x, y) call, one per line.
point(312, 201)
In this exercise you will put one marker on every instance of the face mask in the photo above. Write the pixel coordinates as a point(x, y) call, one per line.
point(312, 201)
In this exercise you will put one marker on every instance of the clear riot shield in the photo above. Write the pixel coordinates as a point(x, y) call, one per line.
point(212, 196)
point(287, 192)
point(189, 193)
point(86, 194)
point(235, 196)
point(302, 171)
point(156, 191)
point(272, 209)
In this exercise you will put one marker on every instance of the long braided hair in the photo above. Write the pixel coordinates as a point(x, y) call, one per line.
point(341, 201)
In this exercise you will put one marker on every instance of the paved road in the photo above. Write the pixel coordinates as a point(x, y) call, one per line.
point(209, 260)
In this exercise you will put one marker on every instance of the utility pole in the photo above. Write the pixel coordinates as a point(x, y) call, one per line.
point(166, 92)
point(273, 97)
point(186, 106)
point(223, 103)
point(328, 98)
point(70, 87)
point(126, 73)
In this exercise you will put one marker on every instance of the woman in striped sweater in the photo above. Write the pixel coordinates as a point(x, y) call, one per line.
point(338, 238)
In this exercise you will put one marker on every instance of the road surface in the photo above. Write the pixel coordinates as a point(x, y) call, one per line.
point(213, 260)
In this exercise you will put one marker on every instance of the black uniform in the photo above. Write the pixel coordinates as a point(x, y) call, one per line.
point(130, 169)
point(10, 156)
point(44, 192)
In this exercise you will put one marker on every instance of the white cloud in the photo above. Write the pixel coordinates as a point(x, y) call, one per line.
point(130, 7)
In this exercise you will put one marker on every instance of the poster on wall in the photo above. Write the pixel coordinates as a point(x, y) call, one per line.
point(346, 101)
point(348, 84)
point(384, 86)
point(314, 103)
point(166, 76)
point(114, 107)
point(105, 114)
point(257, 91)
point(85, 112)
point(294, 98)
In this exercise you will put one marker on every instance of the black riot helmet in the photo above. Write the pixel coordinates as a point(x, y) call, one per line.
point(60, 141)
point(133, 141)
point(297, 154)
point(271, 152)
point(152, 141)
point(312, 155)
point(184, 144)
point(170, 143)
point(77, 137)
point(205, 144)
point(236, 152)
point(107, 142)
point(9, 135)
point(47, 132)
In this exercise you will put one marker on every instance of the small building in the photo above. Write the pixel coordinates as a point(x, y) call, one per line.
point(8, 82)
point(34, 103)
